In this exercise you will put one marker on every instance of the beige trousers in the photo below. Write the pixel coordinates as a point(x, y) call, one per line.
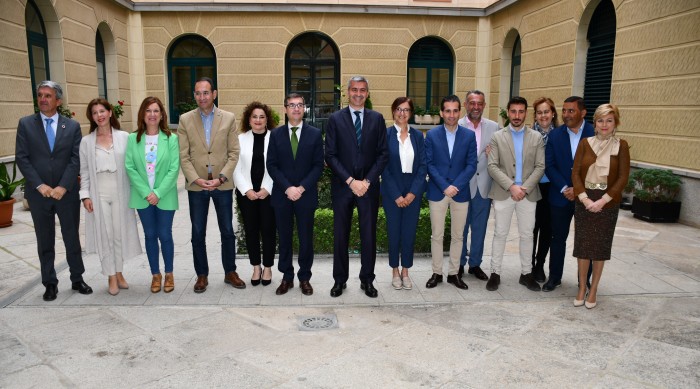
point(111, 260)
point(458, 217)
point(503, 213)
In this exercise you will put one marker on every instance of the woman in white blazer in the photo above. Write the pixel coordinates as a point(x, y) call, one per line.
point(253, 188)
point(110, 225)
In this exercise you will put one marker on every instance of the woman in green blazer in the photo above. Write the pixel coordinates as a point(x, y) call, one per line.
point(153, 164)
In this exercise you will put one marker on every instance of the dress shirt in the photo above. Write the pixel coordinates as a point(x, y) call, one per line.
point(299, 126)
point(406, 153)
point(574, 138)
point(54, 124)
point(465, 122)
point(450, 135)
point(518, 137)
point(353, 116)
point(207, 120)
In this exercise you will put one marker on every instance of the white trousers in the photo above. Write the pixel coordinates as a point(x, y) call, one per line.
point(111, 260)
point(458, 218)
point(503, 213)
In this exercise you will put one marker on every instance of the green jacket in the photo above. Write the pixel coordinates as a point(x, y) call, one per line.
point(167, 170)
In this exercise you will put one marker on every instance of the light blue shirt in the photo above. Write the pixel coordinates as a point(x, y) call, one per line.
point(54, 124)
point(574, 138)
point(450, 135)
point(207, 121)
point(518, 137)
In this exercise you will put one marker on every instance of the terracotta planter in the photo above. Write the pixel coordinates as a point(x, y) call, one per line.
point(6, 208)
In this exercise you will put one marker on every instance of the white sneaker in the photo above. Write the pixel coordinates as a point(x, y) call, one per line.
point(407, 283)
point(396, 282)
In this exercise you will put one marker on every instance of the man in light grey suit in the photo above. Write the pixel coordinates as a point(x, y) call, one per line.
point(516, 164)
point(479, 185)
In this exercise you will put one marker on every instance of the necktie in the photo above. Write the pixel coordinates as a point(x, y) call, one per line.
point(358, 127)
point(49, 133)
point(295, 141)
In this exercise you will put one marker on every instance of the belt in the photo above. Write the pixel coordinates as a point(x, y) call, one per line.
point(601, 186)
point(209, 177)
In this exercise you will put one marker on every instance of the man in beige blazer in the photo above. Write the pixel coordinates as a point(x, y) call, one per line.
point(516, 164)
point(209, 153)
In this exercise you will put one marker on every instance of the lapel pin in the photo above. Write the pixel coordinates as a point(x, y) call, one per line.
point(63, 126)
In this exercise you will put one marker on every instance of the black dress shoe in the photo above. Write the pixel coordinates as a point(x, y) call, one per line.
point(529, 281)
point(51, 292)
point(456, 281)
point(337, 289)
point(493, 283)
point(369, 289)
point(434, 280)
point(550, 285)
point(538, 274)
point(82, 287)
point(284, 287)
point(460, 272)
point(478, 273)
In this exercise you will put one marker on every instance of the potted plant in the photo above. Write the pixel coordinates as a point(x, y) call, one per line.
point(434, 113)
point(655, 192)
point(418, 114)
point(8, 185)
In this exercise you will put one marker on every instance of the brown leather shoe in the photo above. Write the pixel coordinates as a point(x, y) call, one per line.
point(234, 280)
point(169, 284)
point(306, 288)
point(284, 287)
point(155, 283)
point(201, 285)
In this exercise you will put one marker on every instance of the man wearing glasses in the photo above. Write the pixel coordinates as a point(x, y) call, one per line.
point(209, 153)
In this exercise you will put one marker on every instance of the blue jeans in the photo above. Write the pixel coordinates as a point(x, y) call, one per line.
point(199, 210)
point(158, 225)
point(477, 219)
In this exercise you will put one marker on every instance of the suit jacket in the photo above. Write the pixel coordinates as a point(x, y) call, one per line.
point(481, 181)
point(196, 156)
point(39, 165)
point(96, 238)
point(559, 162)
point(502, 163)
point(287, 171)
point(241, 175)
point(167, 167)
point(346, 159)
point(444, 170)
point(391, 186)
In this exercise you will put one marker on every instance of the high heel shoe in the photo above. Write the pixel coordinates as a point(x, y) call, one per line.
point(578, 303)
point(169, 284)
point(113, 286)
point(253, 281)
point(264, 281)
point(121, 281)
point(156, 283)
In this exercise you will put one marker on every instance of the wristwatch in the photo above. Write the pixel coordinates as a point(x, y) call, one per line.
point(222, 179)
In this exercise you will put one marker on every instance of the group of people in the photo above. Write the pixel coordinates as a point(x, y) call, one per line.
point(546, 175)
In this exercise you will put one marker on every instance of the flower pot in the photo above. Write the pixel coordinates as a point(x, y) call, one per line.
point(6, 209)
point(418, 119)
point(656, 212)
point(427, 119)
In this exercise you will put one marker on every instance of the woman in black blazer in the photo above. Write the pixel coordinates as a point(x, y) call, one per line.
point(402, 187)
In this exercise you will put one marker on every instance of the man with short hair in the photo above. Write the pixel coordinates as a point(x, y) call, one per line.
point(295, 162)
point(47, 153)
point(356, 152)
point(450, 154)
point(516, 164)
point(559, 158)
point(479, 185)
point(208, 155)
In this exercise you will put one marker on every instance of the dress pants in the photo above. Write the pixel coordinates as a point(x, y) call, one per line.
point(111, 259)
point(199, 212)
point(477, 221)
point(525, 212)
point(542, 233)
point(44, 212)
point(401, 224)
point(367, 208)
point(561, 222)
point(286, 216)
point(458, 218)
point(258, 221)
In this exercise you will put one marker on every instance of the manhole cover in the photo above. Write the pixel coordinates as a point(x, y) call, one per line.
point(317, 323)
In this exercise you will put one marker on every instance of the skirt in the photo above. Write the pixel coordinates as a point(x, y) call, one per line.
point(594, 232)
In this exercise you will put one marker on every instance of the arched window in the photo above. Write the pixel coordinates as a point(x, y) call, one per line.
point(515, 69)
point(37, 44)
point(313, 70)
point(430, 72)
point(599, 57)
point(190, 58)
point(100, 61)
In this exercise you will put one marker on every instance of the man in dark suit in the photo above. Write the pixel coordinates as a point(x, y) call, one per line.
point(295, 162)
point(356, 152)
point(559, 160)
point(47, 154)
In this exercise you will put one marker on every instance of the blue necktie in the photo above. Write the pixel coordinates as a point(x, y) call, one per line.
point(358, 127)
point(49, 133)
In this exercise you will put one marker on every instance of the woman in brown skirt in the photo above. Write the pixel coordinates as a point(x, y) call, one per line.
point(601, 169)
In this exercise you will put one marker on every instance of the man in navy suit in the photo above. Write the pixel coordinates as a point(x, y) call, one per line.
point(47, 154)
point(450, 153)
point(559, 160)
point(295, 162)
point(356, 152)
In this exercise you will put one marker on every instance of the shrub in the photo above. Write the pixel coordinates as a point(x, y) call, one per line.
point(654, 185)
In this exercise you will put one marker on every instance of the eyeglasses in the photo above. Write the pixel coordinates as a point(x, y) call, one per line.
point(403, 110)
point(295, 105)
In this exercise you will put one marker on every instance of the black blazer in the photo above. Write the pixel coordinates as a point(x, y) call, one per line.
point(39, 165)
point(286, 171)
point(347, 159)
